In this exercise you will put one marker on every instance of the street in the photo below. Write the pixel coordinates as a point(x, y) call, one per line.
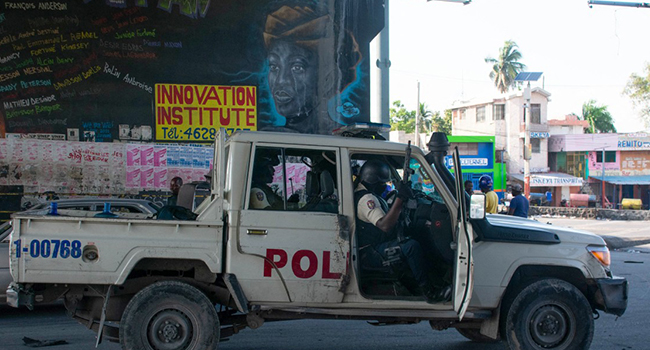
point(626, 332)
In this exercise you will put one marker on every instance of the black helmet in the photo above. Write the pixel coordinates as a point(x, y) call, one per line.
point(373, 172)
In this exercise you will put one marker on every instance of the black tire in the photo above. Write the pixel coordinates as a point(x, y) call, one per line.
point(169, 315)
point(549, 314)
point(474, 334)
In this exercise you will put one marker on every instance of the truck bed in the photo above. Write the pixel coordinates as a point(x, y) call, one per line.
point(55, 249)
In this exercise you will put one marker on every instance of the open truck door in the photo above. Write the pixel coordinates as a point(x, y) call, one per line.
point(464, 266)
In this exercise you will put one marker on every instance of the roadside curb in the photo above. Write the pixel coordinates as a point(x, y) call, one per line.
point(614, 242)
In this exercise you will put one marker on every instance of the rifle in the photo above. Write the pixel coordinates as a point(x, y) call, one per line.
point(411, 203)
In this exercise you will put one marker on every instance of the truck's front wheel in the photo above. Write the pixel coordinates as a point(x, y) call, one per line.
point(549, 314)
point(169, 315)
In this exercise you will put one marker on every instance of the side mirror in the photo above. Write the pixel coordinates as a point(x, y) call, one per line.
point(477, 206)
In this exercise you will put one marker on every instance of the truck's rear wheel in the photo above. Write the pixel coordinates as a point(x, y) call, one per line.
point(169, 315)
point(549, 314)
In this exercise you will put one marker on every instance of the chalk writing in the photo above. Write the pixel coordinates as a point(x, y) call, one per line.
point(26, 102)
point(59, 20)
point(131, 80)
point(174, 44)
point(20, 6)
point(8, 76)
point(9, 58)
point(111, 70)
point(52, 6)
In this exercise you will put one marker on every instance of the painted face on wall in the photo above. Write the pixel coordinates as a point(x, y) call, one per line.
point(293, 78)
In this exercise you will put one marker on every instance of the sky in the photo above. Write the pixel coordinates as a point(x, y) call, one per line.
point(585, 53)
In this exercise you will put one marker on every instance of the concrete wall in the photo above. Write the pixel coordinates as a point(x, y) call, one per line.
point(592, 213)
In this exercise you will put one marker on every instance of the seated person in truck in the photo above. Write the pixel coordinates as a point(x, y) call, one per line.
point(376, 227)
point(262, 195)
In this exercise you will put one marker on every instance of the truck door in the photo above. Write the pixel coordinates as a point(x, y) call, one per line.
point(292, 239)
point(463, 269)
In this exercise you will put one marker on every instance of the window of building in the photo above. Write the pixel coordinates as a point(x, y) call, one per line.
point(294, 179)
point(463, 113)
point(480, 114)
point(535, 145)
point(536, 113)
point(499, 112)
point(466, 149)
point(610, 156)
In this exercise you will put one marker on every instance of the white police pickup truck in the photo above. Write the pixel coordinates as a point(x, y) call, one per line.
point(187, 284)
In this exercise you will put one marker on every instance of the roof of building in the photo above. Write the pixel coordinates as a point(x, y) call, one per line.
point(569, 120)
point(503, 98)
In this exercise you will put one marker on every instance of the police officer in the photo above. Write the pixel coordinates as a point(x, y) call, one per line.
point(376, 225)
point(491, 199)
point(262, 195)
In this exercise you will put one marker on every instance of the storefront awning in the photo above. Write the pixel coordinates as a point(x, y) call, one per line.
point(625, 180)
point(550, 179)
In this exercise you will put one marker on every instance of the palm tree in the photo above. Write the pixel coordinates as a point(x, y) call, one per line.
point(506, 67)
point(425, 117)
point(600, 120)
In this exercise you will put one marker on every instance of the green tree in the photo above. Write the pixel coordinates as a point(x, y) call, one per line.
point(401, 118)
point(599, 118)
point(426, 121)
point(638, 89)
point(506, 67)
point(442, 124)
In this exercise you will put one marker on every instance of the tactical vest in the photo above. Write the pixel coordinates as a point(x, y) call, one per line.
point(369, 234)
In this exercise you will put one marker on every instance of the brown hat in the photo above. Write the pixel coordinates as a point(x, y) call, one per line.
point(299, 24)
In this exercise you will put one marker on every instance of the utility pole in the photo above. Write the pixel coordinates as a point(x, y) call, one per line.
point(527, 147)
point(527, 77)
point(381, 75)
point(602, 199)
point(417, 120)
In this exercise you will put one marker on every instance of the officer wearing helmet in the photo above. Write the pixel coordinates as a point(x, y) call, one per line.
point(262, 195)
point(491, 199)
point(376, 227)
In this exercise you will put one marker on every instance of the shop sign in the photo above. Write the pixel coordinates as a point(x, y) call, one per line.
point(539, 135)
point(548, 181)
point(467, 162)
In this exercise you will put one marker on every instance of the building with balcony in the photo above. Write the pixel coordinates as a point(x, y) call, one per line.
point(505, 119)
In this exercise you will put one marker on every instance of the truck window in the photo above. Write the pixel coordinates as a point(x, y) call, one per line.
point(294, 180)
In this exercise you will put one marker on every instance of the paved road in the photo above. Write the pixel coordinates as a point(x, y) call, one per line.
point(626, 333)
point(617, 233)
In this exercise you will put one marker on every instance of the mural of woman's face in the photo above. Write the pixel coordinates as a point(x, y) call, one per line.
point(293, 78)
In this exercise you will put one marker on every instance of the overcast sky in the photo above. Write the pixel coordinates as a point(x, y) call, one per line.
point(585, 53)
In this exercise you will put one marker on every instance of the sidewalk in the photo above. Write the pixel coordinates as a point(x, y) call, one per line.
point(618, 234)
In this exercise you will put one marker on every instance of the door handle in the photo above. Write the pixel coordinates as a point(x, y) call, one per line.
point(257, 232)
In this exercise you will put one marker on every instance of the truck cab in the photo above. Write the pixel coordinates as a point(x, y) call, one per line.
point(278, 239)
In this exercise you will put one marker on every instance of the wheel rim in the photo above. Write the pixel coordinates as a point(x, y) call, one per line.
point(550, 326)
point(169, 330)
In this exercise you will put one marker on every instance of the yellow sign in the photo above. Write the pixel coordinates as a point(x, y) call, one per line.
point(196, 112)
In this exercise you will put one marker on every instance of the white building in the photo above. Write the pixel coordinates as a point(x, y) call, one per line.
point(570, 125)
point(505, 119)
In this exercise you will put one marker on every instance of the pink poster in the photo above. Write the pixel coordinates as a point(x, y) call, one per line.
point(160, 156)
point(132, 155)
point(160, 178)
point(146, 155)
point(146, 177)
point(133, 177)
